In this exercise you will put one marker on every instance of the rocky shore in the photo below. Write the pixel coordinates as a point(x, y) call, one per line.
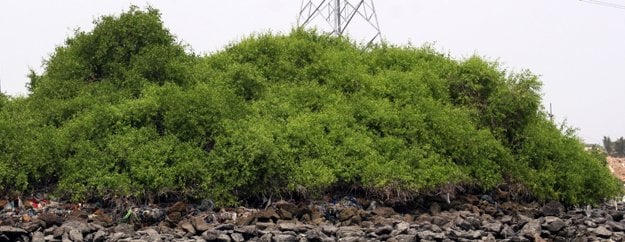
point(467, 218)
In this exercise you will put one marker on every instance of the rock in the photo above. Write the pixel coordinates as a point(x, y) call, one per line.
point(75, 235)
point(223, 238)
point(552, 208)
point(386, 229)
point(284, 238)
point(602, 231)
point(51, 219)
point(435, 208)
point(531, 230)
point(494, 227)
point(12, 230)
point(225, 227)
point(267, 215)
point(347, 213)
point(38, 237)
point(200, 224)
point(472, 235)
point(245, 220)
point(400, 228)
point(125, 229)
point(151, 233)
point(329, 229)
point(350, 231)
point(100, 235)
point(211, 234)
point(554, 224)
point(429, 235)
point(590, 224)
point(403, 238)
point(186, 226)
point(383, 211)
point(237, 237)
point(616, 226)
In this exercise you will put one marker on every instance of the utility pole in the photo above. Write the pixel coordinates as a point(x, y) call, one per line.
point(340, 14)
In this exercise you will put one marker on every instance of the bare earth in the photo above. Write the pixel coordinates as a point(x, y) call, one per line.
point(617, 166)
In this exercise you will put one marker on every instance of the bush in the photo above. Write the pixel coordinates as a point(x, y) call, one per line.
point(124, 110)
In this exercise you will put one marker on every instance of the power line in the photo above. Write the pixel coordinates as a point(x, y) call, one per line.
point(606, 4)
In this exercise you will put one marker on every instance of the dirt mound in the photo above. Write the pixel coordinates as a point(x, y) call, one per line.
point(617, 166)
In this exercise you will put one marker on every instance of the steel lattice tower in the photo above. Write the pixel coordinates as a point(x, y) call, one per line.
point(339, 14)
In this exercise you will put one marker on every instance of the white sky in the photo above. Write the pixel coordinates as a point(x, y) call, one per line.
point(577, 48)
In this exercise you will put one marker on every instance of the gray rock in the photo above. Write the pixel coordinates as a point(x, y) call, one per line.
point(99, 236)
point(429, 235)
point(287, 226)
point(223, 238)
point(616, 226)
point(494, 227)
point(352, 239)
point(590, 224)
point(472, 235)
point(531, 230)
point(225, 227)
point(555, 225)
point(82, 227)
point(284, 238)
point(200, 224)
point(187, 227)
point(400, 228)
point(386, 229)
point(38, 237)
point(350, 231)
point(75, 235)
point(552, 209)
point(50, 238)
point(211, 234)
point(602, 231)
point(237, 237)
point(403, 238)
point(329, 229)
point(12, 230)
point(266, 238)
point(316, 235)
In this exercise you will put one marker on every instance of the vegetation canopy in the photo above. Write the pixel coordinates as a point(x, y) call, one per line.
point(124, 109)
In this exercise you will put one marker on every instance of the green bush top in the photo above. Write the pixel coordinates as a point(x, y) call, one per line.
point(124, 109)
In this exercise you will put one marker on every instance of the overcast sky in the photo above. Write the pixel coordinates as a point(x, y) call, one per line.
point(577, 48)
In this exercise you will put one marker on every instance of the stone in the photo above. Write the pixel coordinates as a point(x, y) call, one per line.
point(616, 226)
point(249, 230)
point(400, 228)
point(225, 227)
point(245, 220)
point(383, 211)
point(552, 208)
point(38, 237)
point(124, 228)
point(429, 235)
point(211, 234)
point(99, 236)
point(531, 230)
point(12, 230)
point(267, 215)
point(386, 229)
point(75, 235)
point(200, 224)
point(403, 238)
point(186, 226)
point(347, 213)
point(237, 237)
point(602, 231)
point(349, 231)
point(494, 227)
point(329, 229)
point(555, 225)
point(287, 226)
point(51, 219)
point(223, 238)
point(435, 208)
point(284, 238)
point(316, 235)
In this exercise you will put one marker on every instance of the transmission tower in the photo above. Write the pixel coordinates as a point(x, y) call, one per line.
point(339, 14)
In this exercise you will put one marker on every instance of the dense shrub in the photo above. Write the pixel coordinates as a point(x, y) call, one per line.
point(125, 110)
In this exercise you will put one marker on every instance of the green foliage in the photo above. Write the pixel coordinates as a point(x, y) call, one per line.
point(124, 110)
